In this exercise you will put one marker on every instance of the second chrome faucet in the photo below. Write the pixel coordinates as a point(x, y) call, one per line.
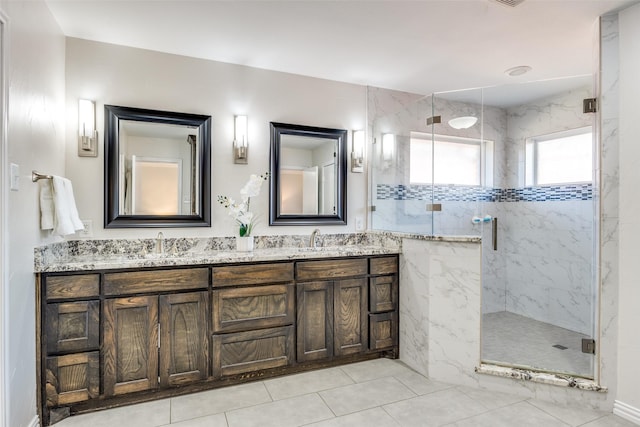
point(312, 239)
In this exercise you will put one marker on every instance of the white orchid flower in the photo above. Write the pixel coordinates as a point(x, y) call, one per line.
point(251, 188)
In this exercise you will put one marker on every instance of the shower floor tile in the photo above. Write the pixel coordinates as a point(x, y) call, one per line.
point(509, 338)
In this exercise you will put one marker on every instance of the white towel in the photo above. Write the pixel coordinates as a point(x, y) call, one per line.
point(47, 209)
point(67, 220)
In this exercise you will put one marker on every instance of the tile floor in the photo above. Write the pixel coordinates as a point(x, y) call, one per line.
point(379, 393)
point(518, 340)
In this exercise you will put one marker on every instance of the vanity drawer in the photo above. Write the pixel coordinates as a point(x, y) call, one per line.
point(331, 269)
point(236, 309)
point(243, 352)
point(384, 265)
point(73, 326)
point(72, 286)
point(133, 282)
point(252, 274)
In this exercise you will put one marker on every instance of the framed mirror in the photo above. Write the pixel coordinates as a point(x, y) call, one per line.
point(308, 175)
point(157, 168)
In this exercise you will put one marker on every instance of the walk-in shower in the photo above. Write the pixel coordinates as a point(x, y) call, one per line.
point(521, 176)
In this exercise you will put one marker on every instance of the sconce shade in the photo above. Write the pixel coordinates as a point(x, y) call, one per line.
point(357, 151)
point(240, 141)
point(388, 146)
point(87, 133)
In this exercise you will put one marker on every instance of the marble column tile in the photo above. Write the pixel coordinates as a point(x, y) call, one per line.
point(414, 306)
point(610, 175)
point(609, 72)
point(454, 311)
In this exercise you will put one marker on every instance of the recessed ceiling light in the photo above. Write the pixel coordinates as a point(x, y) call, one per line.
point(517, 71)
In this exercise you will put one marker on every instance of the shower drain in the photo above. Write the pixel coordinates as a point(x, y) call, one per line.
point(560, 347)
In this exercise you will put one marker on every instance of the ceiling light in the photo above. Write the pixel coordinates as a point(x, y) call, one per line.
point(518, 71)
point(464, 122)
point(512, 3)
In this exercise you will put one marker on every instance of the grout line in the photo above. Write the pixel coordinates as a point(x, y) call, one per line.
point(268, 392)
point(325, 402)
point(390, 416)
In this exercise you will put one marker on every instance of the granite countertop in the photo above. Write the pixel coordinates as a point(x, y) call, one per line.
point(101, 262)
point(86, 255)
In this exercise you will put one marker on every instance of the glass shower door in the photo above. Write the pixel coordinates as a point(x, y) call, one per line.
point(539, 286)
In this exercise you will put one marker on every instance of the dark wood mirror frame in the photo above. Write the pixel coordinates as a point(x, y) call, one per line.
point(112, 217)
point(339, 135)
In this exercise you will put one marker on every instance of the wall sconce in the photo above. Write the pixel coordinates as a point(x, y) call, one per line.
point(240, 141)
point(87, 133)
point(388, 146)
point(357, 151)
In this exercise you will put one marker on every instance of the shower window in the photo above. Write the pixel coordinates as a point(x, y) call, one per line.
point(460, 161)
point(559, 158)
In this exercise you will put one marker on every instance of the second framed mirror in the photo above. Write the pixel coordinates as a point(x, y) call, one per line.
point(308, 175)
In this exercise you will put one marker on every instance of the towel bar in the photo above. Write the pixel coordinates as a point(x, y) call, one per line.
point(35, 176)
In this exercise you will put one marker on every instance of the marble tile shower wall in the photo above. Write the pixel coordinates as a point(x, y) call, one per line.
point(548, 262)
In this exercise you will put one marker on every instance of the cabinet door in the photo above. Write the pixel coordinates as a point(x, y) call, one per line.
point(243, 352)
point(72, 378)
point(350, 316)
point(184, 344)
point(383, 293)
point(383, 330)
point(315, 321)
point(72, 326)
point(130, 344)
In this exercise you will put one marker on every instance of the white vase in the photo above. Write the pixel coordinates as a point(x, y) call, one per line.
point(244, 244)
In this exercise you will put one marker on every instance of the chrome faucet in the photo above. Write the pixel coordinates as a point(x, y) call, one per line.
point(160, 243)
point(312, 240)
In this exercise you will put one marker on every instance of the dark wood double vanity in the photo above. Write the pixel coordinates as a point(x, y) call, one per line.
point(118, 336)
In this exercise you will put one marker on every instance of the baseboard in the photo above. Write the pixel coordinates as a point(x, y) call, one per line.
point(35, 422)
point(627, 412)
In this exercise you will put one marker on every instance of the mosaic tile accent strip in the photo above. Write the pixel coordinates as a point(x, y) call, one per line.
point(460, 193)
point(546, 193)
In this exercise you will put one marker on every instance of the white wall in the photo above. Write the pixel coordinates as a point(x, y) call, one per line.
point(35, 84)
point(117, 75)
point(629, 296)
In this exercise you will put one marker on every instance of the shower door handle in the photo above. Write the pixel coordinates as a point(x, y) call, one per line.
point(494, 233)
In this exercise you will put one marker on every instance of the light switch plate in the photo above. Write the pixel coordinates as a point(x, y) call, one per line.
point(15, 177)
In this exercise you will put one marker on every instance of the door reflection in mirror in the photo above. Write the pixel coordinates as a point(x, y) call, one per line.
point(307, 175)
point(157, 169)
